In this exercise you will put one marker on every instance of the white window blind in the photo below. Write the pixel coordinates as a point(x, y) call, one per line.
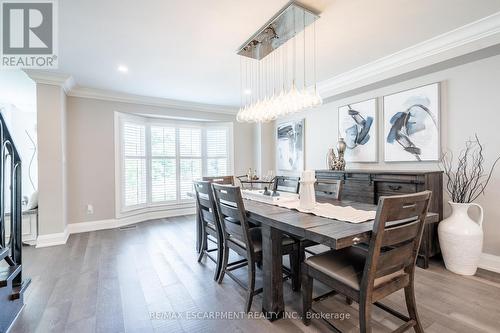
point(160, 160)
point(134, 174)
point(217, 152)
point(163, 164)
point(190, 159)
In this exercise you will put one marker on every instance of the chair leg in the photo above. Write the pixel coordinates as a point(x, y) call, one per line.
point(294, 257)
point(203, 245)
point(251, 285)
point(411, 305)
point(225, 257)
point(307, 287)
point(220, 255)
point(365, 317)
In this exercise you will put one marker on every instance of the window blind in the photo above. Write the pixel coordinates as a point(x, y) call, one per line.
point(134, 176)
point(217, 152)
point(163, 164)
point(160, 160)
point(190, 159)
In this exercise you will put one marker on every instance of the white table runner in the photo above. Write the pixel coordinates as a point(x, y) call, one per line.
point(341, 213)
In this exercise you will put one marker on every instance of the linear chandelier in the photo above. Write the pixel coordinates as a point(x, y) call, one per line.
point(278, 67)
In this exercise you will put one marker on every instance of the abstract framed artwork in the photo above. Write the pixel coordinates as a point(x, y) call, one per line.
point(290, 152)
point(358, 127)
point(411, 125)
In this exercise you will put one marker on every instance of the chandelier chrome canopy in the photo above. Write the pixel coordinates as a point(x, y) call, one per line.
point(278, 66)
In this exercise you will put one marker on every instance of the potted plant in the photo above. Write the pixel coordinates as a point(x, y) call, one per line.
point(460, 237)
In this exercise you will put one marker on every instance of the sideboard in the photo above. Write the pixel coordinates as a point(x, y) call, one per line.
point(368, 185)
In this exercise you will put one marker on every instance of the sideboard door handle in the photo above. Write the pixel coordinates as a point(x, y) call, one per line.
point(394, 187)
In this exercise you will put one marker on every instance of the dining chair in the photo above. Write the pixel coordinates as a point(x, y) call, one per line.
point(246, 241)
point(326, 189)
point(367, 276)
point(225, 180)
point(210, 225)
point(287, 184)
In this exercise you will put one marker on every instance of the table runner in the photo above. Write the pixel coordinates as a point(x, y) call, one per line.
point(341, 213)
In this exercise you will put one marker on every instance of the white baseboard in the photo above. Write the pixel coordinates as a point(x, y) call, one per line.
point(490, 262)
point(75, 228)
point(52, 239)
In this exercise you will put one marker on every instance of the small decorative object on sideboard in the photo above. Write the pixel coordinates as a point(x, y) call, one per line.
point(460, 237)
point(333, 161)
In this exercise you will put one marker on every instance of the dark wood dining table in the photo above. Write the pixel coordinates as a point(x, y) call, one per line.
point(276, 222)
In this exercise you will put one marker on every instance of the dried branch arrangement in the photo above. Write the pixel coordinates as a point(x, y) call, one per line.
point(468, 180)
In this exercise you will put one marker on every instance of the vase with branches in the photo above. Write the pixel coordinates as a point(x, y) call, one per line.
point(460, 237)
point(466, 181)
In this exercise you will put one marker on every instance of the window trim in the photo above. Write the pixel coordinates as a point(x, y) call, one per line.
point(120, 209)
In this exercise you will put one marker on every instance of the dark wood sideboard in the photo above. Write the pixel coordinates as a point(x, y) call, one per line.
point(368, 185)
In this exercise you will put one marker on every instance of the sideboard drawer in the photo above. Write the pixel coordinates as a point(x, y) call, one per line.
point(394, 188)
point(360, 191)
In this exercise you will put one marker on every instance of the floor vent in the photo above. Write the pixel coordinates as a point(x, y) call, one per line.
point(128, 227)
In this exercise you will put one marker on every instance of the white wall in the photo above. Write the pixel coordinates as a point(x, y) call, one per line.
point(18, 105)
point(52, 182)
point(90, 145)
point(470, 104)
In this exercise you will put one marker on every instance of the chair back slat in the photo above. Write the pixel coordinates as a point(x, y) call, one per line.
point(207, 215)
point(204, 195)
point(400, 233)
point(234, 228)
point(396, 236)
point(232, 214)
point(394, 259)
point(204, 201)
point(206, 204)
point(229, 210)
point(330, 189)
point(404, 209)
point(226, 180)
point(287, 184)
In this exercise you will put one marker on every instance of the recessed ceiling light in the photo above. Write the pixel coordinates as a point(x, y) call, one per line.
point(247, 91)
point(123, 69)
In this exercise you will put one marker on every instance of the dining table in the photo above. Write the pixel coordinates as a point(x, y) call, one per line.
point(276, 222)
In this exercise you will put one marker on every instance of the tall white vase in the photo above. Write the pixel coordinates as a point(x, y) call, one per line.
point(461, 239)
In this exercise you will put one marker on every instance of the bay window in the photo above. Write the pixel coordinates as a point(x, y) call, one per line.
point(159, 159)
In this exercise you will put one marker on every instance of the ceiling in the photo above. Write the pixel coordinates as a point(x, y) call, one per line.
point(185, 50)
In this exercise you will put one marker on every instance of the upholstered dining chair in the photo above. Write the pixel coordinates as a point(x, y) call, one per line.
point(210, 225)
point(367, 276)
point(239, 236)
point(287, 184)
point(328, 189)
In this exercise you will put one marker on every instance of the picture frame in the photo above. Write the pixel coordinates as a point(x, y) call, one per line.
point(411, 124)
point(290, 141)
point(358, 125)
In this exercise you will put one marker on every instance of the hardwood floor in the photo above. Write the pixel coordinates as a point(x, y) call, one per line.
point(117, 280)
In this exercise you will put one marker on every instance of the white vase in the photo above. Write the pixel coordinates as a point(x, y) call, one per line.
point(461, 239)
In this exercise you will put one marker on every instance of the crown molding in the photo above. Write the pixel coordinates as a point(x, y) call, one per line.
point(65, 81)
point(114, 96)
point(463, 40)
point(472, 37)
point(68, 84)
